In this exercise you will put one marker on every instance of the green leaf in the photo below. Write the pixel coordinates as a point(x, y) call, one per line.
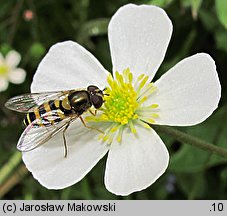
point(223, 175)
point(193, 186)
point(223, 183)
point(195, 4)
point(221, 141)
point(221, 40)
point(191, 159)
point(5, 48)
point(161, 3)
point(91, 28)
point(188, 159)
point(207, 19)
point(186, 3)
point(221, 9)
point(37, 50)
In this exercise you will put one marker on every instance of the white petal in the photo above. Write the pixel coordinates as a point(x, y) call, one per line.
point(13, 58)
point(17, 76)
point(3, 84)
point(136, 163)
point(52, 170)
point(138, 37)
point(189, 92)
point(66, 66)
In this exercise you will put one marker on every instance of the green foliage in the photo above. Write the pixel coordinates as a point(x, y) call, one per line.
point(37, 50)
point(160, 3)
point(5, 48)
point(189, 159)
point(221, 9)
point(199, 26)
point(195, 4)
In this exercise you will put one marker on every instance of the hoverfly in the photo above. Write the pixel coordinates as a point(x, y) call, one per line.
point(48, 113)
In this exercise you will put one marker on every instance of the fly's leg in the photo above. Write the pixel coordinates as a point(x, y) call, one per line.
point(93, 128)
point(93, 113)
point(64, 139)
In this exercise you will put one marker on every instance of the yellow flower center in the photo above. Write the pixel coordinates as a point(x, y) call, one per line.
point(121, 103)
point(123, 106)
point(4, 69)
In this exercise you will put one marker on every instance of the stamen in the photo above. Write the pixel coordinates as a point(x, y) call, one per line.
point(91, 118)
point(142, 83)
point(110, 81)
point(120, 132)
point(132, 127)
point(119, 78)
point(123, 106)
point(148, 120)
point(114, 129)
point(153, 106)
point(142, 100)
point(130, 77)
point(155, 115)
point(145, 114)
point(139, 78)
point(148, 89)
point(145, 125)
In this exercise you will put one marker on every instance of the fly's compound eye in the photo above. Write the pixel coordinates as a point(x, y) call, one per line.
point(92, 88)
point(97, 101)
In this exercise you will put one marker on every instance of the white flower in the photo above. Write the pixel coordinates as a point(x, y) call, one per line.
point(9, 72)
point(186, 95)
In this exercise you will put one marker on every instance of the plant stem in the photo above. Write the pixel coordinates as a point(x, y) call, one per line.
point(9, 166)
point(13, 180)
point(186, 138)
point(15, 20)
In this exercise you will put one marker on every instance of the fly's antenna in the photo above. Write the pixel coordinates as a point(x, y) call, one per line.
point(105, 93)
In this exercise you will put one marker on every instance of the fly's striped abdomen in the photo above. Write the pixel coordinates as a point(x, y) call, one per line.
point(49, 113)
point(30, 117)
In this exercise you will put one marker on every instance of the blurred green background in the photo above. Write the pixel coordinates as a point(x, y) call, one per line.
point(31, 27)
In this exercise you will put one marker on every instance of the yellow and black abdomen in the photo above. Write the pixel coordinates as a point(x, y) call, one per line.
point(49, 113)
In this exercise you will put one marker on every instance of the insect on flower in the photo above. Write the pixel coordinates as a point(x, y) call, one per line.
point(185, 95)
point(52, 112)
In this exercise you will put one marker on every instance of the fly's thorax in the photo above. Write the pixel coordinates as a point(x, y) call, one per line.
point(79, 101)
point(65, 106)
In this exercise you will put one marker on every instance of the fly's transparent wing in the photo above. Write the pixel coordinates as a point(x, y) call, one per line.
point(33, 136)
point(27, 102)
